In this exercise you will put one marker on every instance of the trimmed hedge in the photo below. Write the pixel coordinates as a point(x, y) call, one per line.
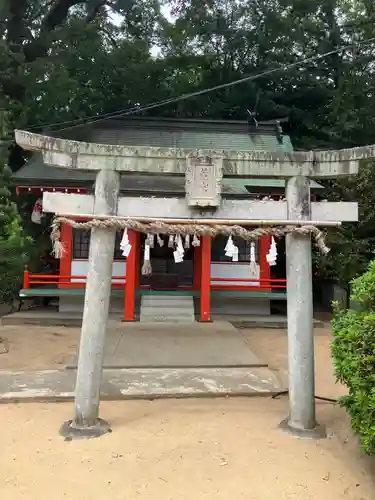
point(353, 351)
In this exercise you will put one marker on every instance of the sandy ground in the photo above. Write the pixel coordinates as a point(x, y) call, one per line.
point(171, 450)
point(179, 450)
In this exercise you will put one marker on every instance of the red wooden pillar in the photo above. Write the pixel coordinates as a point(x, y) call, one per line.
point(67, 256)
point(205, 279)
point(137, 260)
point(132, 277)
point(26, 279)
point(197, 268)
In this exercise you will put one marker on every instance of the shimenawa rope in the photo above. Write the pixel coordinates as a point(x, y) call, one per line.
point(183, 229)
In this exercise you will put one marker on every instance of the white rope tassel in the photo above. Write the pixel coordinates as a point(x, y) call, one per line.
point(151, 240)
point(146, 268)
point(254, 267)
point(178, 254)
point(229, 247)
point(187, 241)
point(160, 240)
point(196, 241)
point(125, 246)
point(235, 254)
point(171, 241)
point(231, 250)
point(272, 254)
point(58, 249)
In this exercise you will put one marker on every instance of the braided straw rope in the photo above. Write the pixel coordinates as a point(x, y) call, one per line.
point(183, 230)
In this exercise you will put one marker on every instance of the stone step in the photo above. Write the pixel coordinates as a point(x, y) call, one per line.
point(159, 296)
point(163, 308)
point(166, 319)
point(183, 305)
point(167, 312)
point(174, 314)
point(166, 301)
point(146, 383)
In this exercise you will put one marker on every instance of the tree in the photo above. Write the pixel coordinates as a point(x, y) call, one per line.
point(349, 121)
point(12, 242)
point(59, 60)
point(67, 60)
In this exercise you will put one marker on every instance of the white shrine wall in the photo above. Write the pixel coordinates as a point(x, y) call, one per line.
point(81, 267)
point(220, 306)
point(218, 270)
point(236, 306)
point(234, 270)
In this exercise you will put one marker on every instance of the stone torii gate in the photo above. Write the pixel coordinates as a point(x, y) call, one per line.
point(203, 171)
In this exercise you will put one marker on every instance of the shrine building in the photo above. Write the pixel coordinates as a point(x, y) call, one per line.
point(207, 280)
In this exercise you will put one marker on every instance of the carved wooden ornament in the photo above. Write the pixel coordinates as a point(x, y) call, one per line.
point(203, 180)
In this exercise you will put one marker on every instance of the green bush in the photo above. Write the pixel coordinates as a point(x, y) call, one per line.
point(353, 351)
point(12, 242)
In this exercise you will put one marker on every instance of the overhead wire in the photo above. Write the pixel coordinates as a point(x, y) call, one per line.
point(139, 109)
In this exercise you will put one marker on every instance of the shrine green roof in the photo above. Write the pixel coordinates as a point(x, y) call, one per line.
point(164, 132)
point(190, 134)
point(34, 173)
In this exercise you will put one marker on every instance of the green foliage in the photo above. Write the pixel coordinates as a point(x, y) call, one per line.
point(69, 60)
point(352, 245)
point(364, 289)
point(12, 242)
point(353, 351)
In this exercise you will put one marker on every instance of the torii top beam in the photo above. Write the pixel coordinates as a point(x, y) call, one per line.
point(90, 156)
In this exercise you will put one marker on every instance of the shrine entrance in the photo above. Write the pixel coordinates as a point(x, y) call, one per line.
point(166, 273)
point(296, 218)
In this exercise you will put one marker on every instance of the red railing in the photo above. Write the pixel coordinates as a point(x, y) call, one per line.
point(251, 283)
point(30, 279)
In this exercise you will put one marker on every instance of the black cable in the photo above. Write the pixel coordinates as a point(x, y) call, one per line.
point(182, 97)
point(320, 398)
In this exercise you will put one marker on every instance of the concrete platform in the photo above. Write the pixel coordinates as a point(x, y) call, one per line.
point(58, 385)
point(272, 321)
point(170, 345)
point(45, 317)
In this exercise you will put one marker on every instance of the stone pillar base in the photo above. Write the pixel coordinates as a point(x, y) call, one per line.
point(318, 432)
point(71, 431)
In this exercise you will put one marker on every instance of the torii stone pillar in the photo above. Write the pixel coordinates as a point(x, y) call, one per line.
point(86, 422)
point(198, 166)
point(301, 376)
